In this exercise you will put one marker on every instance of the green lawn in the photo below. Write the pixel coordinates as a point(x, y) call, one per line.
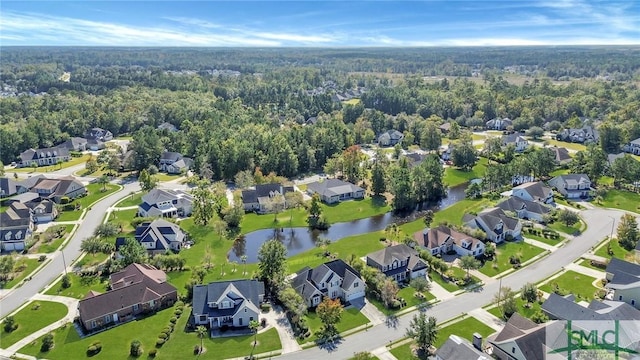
point(181, 343)
point(504, 251)
point(452, 214)
point(302, 187)
point(43, 247)
point(351, 318)
point(587, 263)
point(618, 251)
point(548, 241)
point(131, 200)
point(288, 218)
point(69, 215)
point(79, 286)
point(33, 318)
point(73, 162)
point(94, 193)
point(355, 209)
point(571, 282)
point(352, 102)
point(568, 145)
point(124, 218)
point(621, 199)
point(408, 294)
point(454, 176)
point(561, 227)
point(522, 310)
point(449, 286)
point(167, 177)
point(403, 352)
point(31, 265)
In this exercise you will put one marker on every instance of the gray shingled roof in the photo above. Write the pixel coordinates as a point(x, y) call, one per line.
point(537, 190)
point(306, 280)
point(332, 187)
point(515, 204)
point(249, 290)
point(562, 308)
point(457, 348)
point(625, 274)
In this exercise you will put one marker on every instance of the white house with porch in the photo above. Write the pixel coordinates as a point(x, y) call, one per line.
point(227, 303)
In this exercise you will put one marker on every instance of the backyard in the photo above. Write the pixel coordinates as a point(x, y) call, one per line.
point(454, 176)
point(505, 252)
point(574, 283)
point(31, 318)
point(621, 199)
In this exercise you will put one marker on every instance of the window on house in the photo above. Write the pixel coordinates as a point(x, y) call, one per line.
point(620, 298)
point(93, 324)
point(355, 284)
point(633, 302)
point(135, 307)
point(513, 350)
point(107, 318)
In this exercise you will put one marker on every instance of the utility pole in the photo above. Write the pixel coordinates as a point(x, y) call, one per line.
point(64, 262)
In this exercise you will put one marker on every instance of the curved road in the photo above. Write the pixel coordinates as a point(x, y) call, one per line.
point(599, 226)
point(72, 251)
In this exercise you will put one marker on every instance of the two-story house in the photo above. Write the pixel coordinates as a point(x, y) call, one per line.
point(586, 134)
point(442, 240)
point(534, 191)
point(498, 124)
point(261, 198)
point(623, 281)
point(519, 143)
point(525, 209)
point(572, 186)
point(158, 237)
point(399, 262)
point(166, 203)
point(335, 279)
point(174, 162)
point(16, 226)
point(495, 223)
point(520, 339)
point(227, 303)
point(99, 134)
point(632, 147)
point(43, 157)
point(390, 138)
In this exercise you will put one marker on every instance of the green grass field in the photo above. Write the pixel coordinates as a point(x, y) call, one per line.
point(44, 169)
point(351, 318)
point(571, 282)
point(522, 309)
point(124, 218)
point(408, 294)
point(31, 265)
point(131, 200)
point(454, 176)
point(449, 286)
point(162, 177)
point(32, 318)
point(618, 251)
point(48, 247)
point(452, 214)
point(567, 145)
point(504, 251)
point(79, 286)
point(94, 193)
point(548, 241)
point(621, 199)
point(558, 226)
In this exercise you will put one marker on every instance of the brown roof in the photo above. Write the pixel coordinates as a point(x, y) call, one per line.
point(47, 184)
point(91, 294)
point(134, 285)
point(435, 237)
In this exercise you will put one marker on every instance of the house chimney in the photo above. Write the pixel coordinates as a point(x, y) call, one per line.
point(477, 341)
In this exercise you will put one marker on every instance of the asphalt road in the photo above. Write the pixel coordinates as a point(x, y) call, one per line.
point(55, 267)
point(599, 226)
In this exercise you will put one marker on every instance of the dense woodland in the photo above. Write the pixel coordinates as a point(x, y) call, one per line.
point(232, 122)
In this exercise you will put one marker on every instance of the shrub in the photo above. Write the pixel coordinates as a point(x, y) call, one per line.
point(10, 324)
point(47, 343)
point(42, 258)
point(135, 349)
point(196, 350)
point(163, 336)
point(173, 320)
point(265, 307)
point(66, 281)
point(35, 306)
point(94, 348)
point(153, 352)
point(179, 303)
point(177, 312)
point(160, 342)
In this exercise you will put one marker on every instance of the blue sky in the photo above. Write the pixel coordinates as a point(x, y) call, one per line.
point(320, 23)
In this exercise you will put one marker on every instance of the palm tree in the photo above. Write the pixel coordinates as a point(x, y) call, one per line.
point(253, 326)
point(202, 331)
point(244, 262)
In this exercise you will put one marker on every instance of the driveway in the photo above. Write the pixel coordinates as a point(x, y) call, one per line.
point(599, 226)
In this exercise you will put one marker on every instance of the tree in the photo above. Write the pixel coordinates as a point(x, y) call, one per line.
point(114, 163)
point(47, 343)
point(293, 302)
point(132, 252)
point(1, 169)
point(428, 218)
point(243, 258)
point(529, 293)
point(420, 284)
point(9, 324)
point(7, 264)
point(535, 132)
point(505, 298)
point(568, 217)
point(400, 185)
point(91, 166)
point(233, 215)
point(427, 183)
point(254, 325)
point(202, 332)
point(329, 312)
point(464, 155)
point(272, 265)
point(203, 204)
point(430, 137)
point(468, 262)
point(147, 147)
point(147, 181)
point(596, 162)
point(473, 191)
point(103, 180)
point(94, 245)
point(423, 330)
point(492, 147)
point(244, 179)
point(351, 159)
point(628, 234)
point(135, 349)
point(378, 183)
point(293, 200)
point(388, 291)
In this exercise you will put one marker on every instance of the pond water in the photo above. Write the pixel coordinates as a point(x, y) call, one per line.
point(300, 239)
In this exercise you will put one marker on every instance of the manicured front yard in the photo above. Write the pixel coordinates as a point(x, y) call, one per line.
point(568, 145)
point(449, 286)
point(94, 193)
point(72, 162)
point(351, 318)
point(621, 199)
point(69, 215)
point(572, 282)
point(167, 177)
point(80, 286)
point(561, 227)
point(454, 176)
point(124, 218)
point(33, 317)
point(409, 295)
point(548, 241)
point(45, 247)
point(29, 266)
point(522, 309)
point(131, 200)
point(617, 250)
point(504, 252)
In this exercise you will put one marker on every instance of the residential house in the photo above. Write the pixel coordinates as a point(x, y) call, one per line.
point(27, 184)
point(75, 144)
point(525, 209)
point(174, 162)
point(168, 127)
point(43, 157)
point(534, 191)
point(495, 223)
point(632, 147)
point(390, 138)
point(135, 290)
point(43, 210)
point(95, 144)
point(586, 134)
point(520, 339)
point(98, 134)
point(445, 128)
point(457, 348)
point(558, 307)
point(611, 158)
point(56, 189)
point(572, 186)
point(16, 226)
point(261, 198)
point(166, 203)
point(415, 159)
point(519, 143)
point(160, 236)
point(227, 303)
point(442, 240)
point(499, 124)
point(8, 187)
point(562, 155)
point(334, 279)
point(311, 120)
point(400, 262)
point(334, 190)
point(623, 281)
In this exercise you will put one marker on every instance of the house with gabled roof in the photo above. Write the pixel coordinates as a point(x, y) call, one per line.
point(75, 144)
point(524, 209)
point(334, 279)
point(519, 143)
point(443, 239)
point(565, 308)
point(632, 147)
point(166, 203)
point(167, 126)
point(137, 289)
point(399, 262)
point(56, 189)
point(495, 223)
point(498, 124)
point(98, 134)
point(16, 226)
point(623, 281)
point(390, 138)
point(572, 186)
point(160, 236)
point(586, 134)
point(174, 162)
point(520, 339)
point(332, 191)
point(8, 187)
point(259, 198)
point(561, 155)
point(43, 157)
point(227, 303)
point(457, 348)
point(534, 191)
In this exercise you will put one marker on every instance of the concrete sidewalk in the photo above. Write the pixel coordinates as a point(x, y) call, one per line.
point(383, 353)
point(439, 292)
point(598, 274)
point(539, 244)
point(487, 318)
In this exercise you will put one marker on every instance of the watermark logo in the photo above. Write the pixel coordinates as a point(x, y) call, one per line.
point(590, 339)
